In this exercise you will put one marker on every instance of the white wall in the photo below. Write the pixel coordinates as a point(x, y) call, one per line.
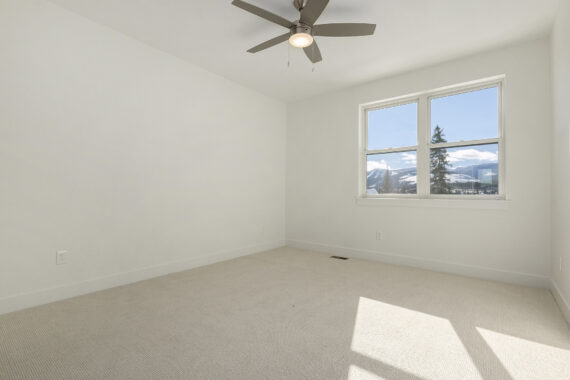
point(133, 160)
point(510, 245)
point(561, 156)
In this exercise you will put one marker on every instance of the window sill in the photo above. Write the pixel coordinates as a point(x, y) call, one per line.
point(482, 204)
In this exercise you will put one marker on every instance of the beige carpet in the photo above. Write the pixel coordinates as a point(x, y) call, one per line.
point(292, 314)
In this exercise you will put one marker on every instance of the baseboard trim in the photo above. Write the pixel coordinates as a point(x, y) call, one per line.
point(485, 273)
point(43, 296)
point(562, 302)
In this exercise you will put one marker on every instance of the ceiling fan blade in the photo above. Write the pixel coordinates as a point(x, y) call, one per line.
point(312, 11)
point(313, 52)
point(262, 13)
point(272, 42)
point(344, 30)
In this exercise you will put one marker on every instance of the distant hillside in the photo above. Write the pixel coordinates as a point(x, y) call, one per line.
point(472, 179)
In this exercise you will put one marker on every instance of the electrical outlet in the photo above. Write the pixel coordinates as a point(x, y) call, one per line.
point(61, 257)
point(378, 235)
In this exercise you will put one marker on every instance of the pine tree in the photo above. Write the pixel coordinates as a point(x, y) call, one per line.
point(386, 183)
point(378, 187)
point(439, 164)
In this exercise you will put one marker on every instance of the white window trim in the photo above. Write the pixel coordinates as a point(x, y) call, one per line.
point(424, 146)
point(478, 204)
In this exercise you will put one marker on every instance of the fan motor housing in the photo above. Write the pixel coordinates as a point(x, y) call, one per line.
point(302, 28)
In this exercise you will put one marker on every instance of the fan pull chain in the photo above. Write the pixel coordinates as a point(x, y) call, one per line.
point(288, 55)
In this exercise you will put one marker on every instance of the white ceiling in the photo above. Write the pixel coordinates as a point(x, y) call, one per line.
point(410, 33)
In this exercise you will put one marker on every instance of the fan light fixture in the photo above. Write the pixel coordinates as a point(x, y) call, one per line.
point(301, 40)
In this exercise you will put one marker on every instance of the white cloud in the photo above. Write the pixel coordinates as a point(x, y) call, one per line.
point(472, 154)
point(371, 165)
point(409, 158)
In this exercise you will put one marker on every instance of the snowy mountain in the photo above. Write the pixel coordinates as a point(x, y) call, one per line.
point(473, 179)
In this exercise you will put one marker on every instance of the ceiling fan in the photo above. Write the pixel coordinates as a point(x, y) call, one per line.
point(302, 31)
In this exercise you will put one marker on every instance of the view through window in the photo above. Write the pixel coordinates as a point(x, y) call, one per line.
point(436, 144)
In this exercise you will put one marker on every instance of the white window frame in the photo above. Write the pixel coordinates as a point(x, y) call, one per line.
point(424, 145)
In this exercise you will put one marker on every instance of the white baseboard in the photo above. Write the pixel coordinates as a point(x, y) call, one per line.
point(43, 296)
point(518, 278)
point(561, 300)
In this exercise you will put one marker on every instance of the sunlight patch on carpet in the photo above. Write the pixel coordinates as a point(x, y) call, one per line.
point(415, 342)
point(357, 373)
point(522, 357)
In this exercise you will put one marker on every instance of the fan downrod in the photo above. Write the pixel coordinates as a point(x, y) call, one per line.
point(300, 4)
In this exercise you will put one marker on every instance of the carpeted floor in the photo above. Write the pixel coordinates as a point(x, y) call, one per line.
point(292, 314)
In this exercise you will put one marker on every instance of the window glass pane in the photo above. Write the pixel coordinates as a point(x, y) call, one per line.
point(468, 170)
point(393, 127)
point(391, 173)
point(469, 116)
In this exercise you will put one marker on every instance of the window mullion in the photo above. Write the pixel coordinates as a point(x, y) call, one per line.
point(392, 150)
point(457, 144)
point(423, 149)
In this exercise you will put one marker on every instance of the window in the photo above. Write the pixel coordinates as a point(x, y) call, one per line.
point(437, 144)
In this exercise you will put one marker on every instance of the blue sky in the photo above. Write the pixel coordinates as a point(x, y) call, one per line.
point(393, 127)
point(468, 116)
